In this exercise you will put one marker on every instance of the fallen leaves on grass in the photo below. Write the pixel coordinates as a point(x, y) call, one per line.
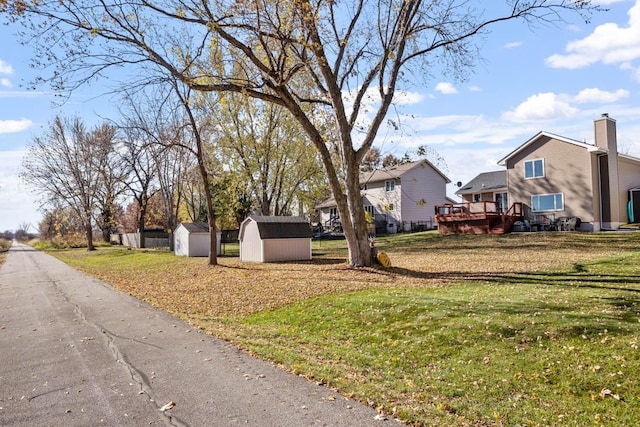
point(194, 290)
point(605, 392)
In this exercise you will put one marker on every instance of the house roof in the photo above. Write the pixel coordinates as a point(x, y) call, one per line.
point(196, 227)
point(396, 171)
point(330, 202)
point(589, 147)
point(280, 227)
point(630, 158)
point(485, 181)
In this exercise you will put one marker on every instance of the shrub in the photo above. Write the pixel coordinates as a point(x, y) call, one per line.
point(4, 245)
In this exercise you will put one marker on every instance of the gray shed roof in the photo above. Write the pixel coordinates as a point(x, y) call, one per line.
point(282, 227)
point(485, 181)
point(196, 227)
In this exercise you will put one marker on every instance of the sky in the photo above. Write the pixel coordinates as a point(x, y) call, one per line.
point(557, 79)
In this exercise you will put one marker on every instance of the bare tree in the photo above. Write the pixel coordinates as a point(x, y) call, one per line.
point(202, 132)
point(171, 165)
point(64, 166)
point(194, 197)
point(354, 52)
point(174, 121)
point(112, 179)
point(137, 153)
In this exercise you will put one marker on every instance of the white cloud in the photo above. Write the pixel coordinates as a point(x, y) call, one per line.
point(407, 98)
point(595, 95)
point(541, 106)
point(5, 68)
point(21, 94)
point(475, 89)
point(371, 99)
point(512, 45)
point(609, 43)
point(446, 88)
point(14, 126)
point(553, 106)
point(633, 70)
point(462, 130)
point(574, 28)
point(4, 82)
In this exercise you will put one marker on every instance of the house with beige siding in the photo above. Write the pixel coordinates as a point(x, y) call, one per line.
point(399, 198)
point(562, 177)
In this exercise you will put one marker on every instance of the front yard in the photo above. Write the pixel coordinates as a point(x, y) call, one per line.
point(523, 329)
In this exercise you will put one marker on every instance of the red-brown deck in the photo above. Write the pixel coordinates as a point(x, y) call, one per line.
point(477, 218)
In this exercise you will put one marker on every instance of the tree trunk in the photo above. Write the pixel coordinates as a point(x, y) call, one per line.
point(142, 216)
point(89, 234)
point(141, 230)
point(107, 220)
point(358, 241)
point(213, 246)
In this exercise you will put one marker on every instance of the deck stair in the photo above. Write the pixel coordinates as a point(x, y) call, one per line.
point(477, 218)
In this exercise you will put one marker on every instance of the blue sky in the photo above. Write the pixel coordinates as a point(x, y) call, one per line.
point(550, 78)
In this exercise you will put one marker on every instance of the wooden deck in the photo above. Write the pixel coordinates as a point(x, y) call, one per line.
point(477, 218)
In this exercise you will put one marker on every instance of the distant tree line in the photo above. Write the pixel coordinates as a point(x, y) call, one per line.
point(146, 170)
point(23, 233)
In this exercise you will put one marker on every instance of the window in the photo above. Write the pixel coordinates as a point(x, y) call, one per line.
point(333, 213)
point(534, 168)
point(390, 185)
point(369, 209)
point(476, 197)
point(502, 201)
point(547, 202)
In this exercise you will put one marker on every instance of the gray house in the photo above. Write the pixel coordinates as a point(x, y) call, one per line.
point(487, 187)
point(399, 197)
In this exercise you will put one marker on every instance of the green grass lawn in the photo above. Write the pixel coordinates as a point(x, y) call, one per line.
point(520, 330)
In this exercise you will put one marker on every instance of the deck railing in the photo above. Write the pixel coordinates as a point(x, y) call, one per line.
point(468, 208)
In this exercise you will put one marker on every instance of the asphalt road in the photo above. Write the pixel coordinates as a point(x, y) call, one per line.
point(76, 352)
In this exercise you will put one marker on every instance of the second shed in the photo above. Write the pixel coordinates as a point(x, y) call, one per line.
point(192, 239)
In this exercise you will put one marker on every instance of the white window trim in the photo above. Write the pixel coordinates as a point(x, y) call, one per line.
point(524, 169)
point(386, 185)
point(548, 194)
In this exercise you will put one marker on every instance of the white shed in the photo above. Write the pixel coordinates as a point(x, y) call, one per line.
point(275, 238)
point(193, 239)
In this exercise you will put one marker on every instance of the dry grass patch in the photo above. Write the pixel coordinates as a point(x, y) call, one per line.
point(189, 287)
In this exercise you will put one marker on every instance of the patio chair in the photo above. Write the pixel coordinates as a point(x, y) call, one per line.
point(562, 223)
point(572, 223)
